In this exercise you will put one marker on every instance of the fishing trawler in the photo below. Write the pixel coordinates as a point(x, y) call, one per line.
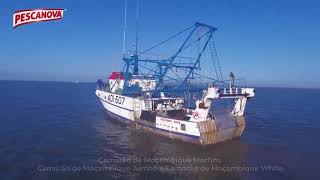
point(174, 96)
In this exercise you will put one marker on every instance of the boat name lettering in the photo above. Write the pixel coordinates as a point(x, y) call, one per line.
point(167, 120)
point(116, 99)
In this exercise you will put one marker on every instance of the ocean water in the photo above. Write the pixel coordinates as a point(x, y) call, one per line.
point(53, 130)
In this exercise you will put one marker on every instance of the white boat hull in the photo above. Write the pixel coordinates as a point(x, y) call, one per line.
point(123, 110)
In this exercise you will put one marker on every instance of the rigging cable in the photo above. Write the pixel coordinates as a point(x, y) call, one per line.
point(167, 39)
point(218, 62)
point(214, 63)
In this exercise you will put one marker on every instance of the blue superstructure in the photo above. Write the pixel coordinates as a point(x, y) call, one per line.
point(162, 66)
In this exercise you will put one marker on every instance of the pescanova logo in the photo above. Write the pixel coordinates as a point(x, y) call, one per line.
point(22, 17)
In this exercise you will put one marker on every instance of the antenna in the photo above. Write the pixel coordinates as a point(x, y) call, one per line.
point(124, 29)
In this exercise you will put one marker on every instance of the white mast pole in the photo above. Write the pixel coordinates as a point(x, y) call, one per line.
point(124, 29)
point(137, 18)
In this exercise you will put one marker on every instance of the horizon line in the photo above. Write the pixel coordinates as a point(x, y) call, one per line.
point(89, 82)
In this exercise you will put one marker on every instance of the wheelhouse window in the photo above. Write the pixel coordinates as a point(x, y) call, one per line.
point(183, 127)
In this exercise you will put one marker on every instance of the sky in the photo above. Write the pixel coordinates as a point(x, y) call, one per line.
point(269, 43)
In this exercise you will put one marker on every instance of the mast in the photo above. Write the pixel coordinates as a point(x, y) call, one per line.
point(132, 60)
point(124, 28)
point(135, 62)
point(137, 20)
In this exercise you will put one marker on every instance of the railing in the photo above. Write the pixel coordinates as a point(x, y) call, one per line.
point(231, 91)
